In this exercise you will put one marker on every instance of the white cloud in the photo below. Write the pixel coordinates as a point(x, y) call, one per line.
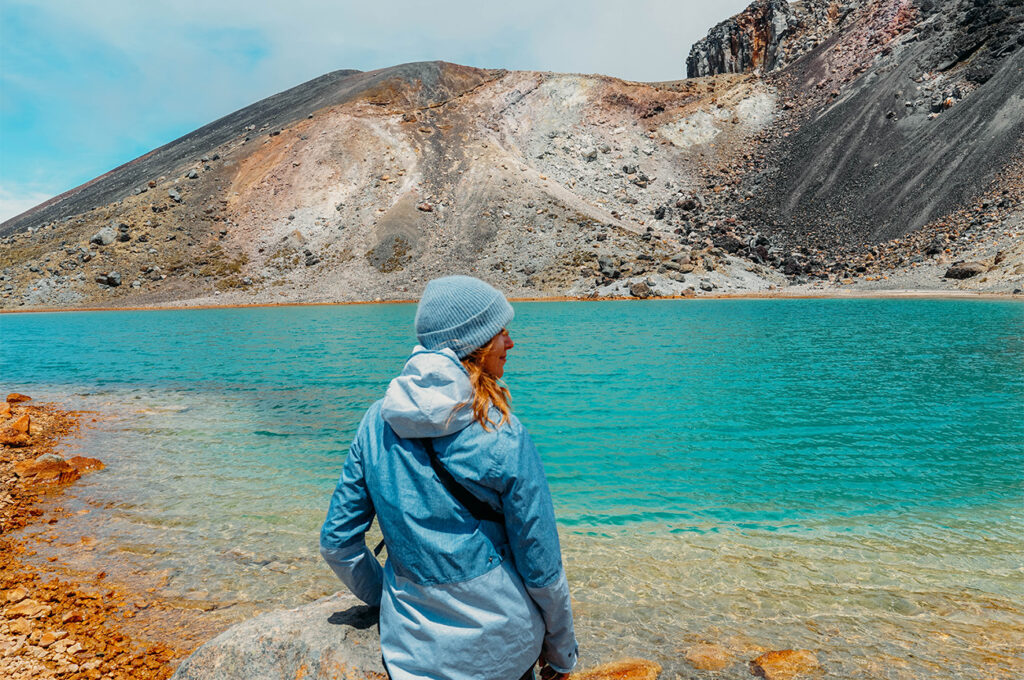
point(15, 201)
point(140, 74)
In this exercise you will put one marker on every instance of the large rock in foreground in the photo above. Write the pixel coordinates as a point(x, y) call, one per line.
point(333, 637)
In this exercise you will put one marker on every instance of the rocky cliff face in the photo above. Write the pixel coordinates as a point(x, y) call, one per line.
point(750, 41)
point(769, 35)
point(904, 115)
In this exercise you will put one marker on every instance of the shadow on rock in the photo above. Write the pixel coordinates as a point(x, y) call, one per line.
point(360, 617)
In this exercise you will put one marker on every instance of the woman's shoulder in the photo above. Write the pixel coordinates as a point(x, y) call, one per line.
point(494, 448)
point(371, 421)
point(372, 415)
point(498, 430)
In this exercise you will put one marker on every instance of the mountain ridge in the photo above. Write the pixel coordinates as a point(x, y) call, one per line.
point(277, 110)
point(361, 186)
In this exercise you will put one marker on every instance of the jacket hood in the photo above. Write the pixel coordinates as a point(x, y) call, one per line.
point(420, 401)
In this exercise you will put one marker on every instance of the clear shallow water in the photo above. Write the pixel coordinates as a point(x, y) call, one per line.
point(841, 475)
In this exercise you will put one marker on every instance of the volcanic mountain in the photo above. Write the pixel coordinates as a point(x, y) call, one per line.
point(817, 145)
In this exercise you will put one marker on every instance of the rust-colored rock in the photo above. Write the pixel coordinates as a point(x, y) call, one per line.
point(5, 410)
point(18, 433)
point(20, 626)
point(784, 664)
point(51, 636)
point(46, 469)
point(83, 464)
point(12, 439)
point(73, 616)
point(15, 398)
point(624, 669)
point(29, 608)
point(16, 594)
point(22, 425)
point(47, 618)
point(708, 657)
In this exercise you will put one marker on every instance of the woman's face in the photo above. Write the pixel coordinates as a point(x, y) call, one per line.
point(494, 356)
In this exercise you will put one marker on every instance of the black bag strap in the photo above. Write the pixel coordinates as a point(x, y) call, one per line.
point(480, 510)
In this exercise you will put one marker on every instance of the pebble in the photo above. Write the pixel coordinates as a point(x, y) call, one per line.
point(784, 665)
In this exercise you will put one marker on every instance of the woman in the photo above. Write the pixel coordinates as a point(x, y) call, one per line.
point(473, 587)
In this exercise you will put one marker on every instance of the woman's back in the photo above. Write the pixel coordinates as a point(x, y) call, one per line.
point(466, 592)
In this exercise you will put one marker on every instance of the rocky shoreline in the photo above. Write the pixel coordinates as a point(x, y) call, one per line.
point(791, 293)
point(60, 625)
point(338, 636)
point(56, 624)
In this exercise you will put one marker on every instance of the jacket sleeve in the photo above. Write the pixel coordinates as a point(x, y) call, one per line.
point(342, 536)
point(533, 538)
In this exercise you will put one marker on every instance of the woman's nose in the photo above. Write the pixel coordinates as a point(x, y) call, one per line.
point(508, 342)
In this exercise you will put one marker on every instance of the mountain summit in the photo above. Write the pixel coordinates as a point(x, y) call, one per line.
point(822, 146)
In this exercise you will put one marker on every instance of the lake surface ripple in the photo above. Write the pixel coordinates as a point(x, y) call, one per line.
point(845, 476)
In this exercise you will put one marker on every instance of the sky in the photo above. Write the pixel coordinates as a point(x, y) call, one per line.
point(87, 86)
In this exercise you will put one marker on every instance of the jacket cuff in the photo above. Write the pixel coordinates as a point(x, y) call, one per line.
point(358, 569)
point(560, 647)
point(559, 669)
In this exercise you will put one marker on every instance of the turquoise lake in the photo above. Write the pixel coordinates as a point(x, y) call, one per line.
point(845, 476)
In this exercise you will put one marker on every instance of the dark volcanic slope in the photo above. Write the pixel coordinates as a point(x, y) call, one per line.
point(912, 132)
point(413, 85)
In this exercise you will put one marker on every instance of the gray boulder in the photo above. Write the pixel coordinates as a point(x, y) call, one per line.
point(640, 290)
point(333, 637)
point(937, 245)
point(607, 267)
point(965, 270)
point(103, 237)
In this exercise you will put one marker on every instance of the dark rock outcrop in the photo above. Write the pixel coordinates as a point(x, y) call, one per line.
point(965, 270)
point(751, 40)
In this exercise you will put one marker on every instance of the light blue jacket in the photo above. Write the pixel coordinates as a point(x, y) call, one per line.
point(460, 599)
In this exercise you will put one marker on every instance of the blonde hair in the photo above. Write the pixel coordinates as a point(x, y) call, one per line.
point(487, 391)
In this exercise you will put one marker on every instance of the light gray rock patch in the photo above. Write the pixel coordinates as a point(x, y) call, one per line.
point(334, 637)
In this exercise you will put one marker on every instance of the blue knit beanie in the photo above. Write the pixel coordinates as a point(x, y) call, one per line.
point(461, 313)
